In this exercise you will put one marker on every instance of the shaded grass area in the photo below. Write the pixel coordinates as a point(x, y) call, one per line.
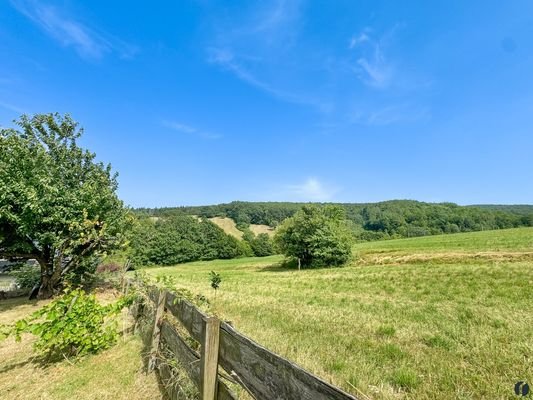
point(424, 330)
point(113, 374)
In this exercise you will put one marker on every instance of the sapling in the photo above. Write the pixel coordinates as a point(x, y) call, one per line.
point(215, 281)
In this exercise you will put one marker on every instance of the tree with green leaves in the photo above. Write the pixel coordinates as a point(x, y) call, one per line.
point(317, 236)
point(57, 204)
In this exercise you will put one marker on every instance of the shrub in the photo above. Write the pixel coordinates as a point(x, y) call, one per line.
point(27, 276)
point(73, 324)
point(262, 245)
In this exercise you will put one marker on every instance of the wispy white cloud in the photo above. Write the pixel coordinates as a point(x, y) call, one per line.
point(277, 14)
point(226, 59)
point(183, 128)
point(310, 190)
point(358, 39)
point(254, 47)
point(372, 66)
point(87, 41)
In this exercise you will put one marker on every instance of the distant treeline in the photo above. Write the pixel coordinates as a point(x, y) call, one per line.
point(372, 221)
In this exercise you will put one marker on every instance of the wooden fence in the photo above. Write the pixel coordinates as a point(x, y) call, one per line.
point(263, 374)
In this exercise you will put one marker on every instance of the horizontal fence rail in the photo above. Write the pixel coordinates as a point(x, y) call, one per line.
point(262, 373)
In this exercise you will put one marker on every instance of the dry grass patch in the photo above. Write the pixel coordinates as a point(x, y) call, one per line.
point(227, 225)
point(258, 229)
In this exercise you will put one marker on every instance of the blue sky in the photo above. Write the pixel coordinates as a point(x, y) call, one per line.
point(201, 102)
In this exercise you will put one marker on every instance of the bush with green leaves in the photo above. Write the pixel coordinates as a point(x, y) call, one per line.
point(26, 276)
point(73, 324)
point(318, 236)
point(260, 245)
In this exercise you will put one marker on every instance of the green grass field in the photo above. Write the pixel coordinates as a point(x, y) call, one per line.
point(448, 317)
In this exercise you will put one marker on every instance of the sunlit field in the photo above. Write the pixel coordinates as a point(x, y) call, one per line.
point(445, 317)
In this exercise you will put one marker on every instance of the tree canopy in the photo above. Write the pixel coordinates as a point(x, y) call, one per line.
point(182, 238)
point(57, 204)
point(316, 236)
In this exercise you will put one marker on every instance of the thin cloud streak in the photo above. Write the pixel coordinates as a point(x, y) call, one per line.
point(227, 60)
point(257, 44)
point(183, 128)
point(86, 41)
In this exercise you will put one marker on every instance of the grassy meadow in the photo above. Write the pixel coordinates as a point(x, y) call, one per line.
point(448, 317)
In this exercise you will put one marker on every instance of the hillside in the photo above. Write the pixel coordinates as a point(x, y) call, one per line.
point(431, 325)
point(227, 225)
point(373, 221)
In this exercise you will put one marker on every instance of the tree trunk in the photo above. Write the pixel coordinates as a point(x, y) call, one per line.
point(46, 290)
point(49, 281)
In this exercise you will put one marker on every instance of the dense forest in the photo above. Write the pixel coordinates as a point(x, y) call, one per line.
point(372, 221)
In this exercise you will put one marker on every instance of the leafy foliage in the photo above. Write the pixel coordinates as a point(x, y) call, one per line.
point(317, 236)
point(57, 204)
point(73, 324)
point(26, 276)
point(261, 245)
point(182, 238)
point(215, 280)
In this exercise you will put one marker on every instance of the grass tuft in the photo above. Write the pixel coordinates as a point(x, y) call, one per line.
point(386, 331)
point(404, 378)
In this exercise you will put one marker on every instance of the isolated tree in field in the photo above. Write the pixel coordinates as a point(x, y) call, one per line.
point(316, 236)
point(57, 205)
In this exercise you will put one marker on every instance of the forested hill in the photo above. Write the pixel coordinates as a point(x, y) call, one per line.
point(395, 218)
point(521, 209)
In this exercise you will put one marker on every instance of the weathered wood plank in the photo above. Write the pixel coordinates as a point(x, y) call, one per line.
point(166, 380)
point(190, 317)
point(269, 376)
point(209, 357)
point(189, 359)
point(153, 293)
point(157, 329)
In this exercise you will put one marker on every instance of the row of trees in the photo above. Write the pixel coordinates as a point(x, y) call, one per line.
point(397, 218)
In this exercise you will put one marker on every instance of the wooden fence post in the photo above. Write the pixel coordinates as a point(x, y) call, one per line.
point(156, 335)
point(209, 359)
